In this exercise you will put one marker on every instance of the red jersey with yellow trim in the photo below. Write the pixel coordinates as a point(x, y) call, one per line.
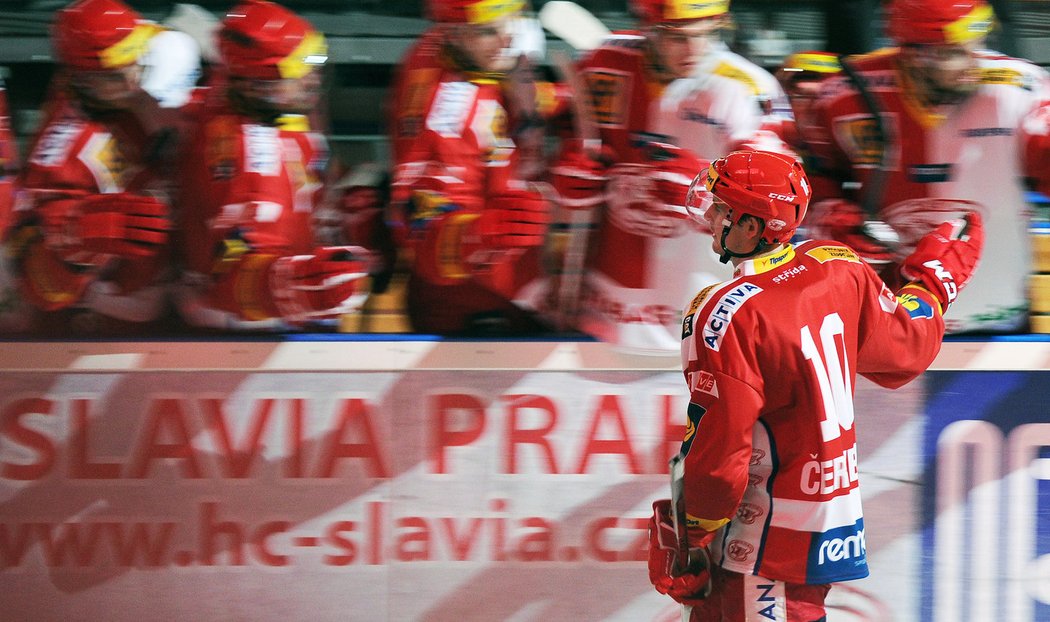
point(451, 141)
point(974, 150)
point(636, 283)
point(245, 183)
point(75, 155)
point(771, 359)
point(443, 115)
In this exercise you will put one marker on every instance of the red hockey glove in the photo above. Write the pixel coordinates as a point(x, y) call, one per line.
point(844, 221)
point(99, 226)
point(515, 219)
point(649, 199)
point(688, 588)
point(578, 179)
point(325, 284)
point(945, 259)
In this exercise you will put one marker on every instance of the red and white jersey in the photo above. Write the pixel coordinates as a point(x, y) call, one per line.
point(75, 155)
point(452, 121)
point(728, 103)
point(971, 151)
point(244, 183)
point(451, 136)
point(771, 359)
point(637, 285)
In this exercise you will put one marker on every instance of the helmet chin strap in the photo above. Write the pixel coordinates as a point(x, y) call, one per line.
point(760, 245)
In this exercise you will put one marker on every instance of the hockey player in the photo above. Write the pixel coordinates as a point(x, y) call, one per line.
point(767, 482)
point(726, 101)
point(91, 238)
point(462, 200)
point(8, 162)
point(247, 192)
point(951, 122)
point(666, 99)
point(801, 75)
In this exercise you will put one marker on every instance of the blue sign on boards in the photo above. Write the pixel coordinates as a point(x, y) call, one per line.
point(986, 497)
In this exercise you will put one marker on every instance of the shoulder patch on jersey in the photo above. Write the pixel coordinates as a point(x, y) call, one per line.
point(916, 307)
point(824, 254)
point(610, 95)
point(694, 413)
point(694, 306)
point(859, 136)
point(717, 322)
point(727, 70)
point(452, 104)
point(699, 299)
point(1005, 76)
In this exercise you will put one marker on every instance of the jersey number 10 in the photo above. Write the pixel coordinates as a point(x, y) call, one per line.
point(831, 368)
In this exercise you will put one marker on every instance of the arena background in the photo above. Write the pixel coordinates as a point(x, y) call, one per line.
point(382, 477)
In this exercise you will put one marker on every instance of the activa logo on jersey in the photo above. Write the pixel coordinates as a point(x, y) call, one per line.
point(722, 312)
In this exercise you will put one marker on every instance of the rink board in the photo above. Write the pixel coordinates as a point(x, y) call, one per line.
point(429, 480)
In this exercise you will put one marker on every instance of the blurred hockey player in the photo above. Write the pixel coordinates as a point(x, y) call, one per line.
point(725, 102)
point(765, 484)
point(801, 75)
point(8, 162)
point(666, 99)
point(463, 126)
point(91, 235)
point(950, 121)
point(249, 254)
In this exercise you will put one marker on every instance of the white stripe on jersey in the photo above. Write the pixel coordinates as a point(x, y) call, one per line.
point(818, 516)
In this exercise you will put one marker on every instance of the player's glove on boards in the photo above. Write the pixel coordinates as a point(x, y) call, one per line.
point(945, 259)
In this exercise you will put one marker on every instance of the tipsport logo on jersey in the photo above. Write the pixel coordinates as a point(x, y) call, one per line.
point(986, 497)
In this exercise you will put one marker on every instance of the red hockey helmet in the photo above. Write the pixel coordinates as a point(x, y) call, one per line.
point(763, 184)
point(652, 12)
point(938, 21)
point(471, 11)
point(99, 34)
point(263, 40)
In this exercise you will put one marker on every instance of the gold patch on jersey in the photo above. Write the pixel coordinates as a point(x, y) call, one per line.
point(863, 139)
point(735, 73)
point(609, 96)
point(1002, 75)
point(699, 299)
point(824, 254)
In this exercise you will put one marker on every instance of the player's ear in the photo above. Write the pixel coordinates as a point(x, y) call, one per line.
point(753, 227)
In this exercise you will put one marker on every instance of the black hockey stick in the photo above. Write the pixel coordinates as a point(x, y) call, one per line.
point(872, 191)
